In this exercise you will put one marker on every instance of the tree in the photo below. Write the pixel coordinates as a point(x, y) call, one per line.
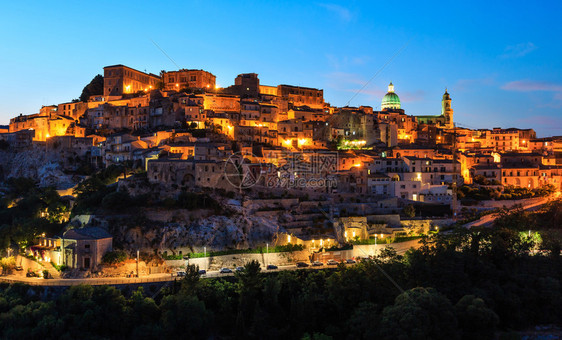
point(250, 287)
point(364, 321)
point(95, 87)
point(185, 317)
point(190, 281)
point(476, 320)
point(116, 200)
point(419, 313)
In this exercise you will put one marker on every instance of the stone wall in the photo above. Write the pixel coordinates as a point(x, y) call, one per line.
point(235, 260)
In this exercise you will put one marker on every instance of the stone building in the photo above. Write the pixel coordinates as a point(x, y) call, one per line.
point(85, 247)
point(301, 96)
point(177, 80)
point(121, 79)
point(187, 173)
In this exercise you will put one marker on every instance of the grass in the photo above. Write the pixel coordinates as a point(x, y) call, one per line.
point(60, 268)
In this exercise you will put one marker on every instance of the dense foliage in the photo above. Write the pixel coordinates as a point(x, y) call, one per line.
point(113, 257)
point(26, 211)
point(95, 87)
point(466, 284)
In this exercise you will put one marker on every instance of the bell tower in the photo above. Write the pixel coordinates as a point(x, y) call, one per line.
point(446, 110)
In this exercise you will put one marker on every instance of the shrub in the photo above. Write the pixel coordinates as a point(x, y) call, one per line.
point(114, 257)
point(7, 263)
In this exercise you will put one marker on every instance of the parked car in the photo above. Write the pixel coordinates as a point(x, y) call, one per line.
point(225, 271)
point(332, 262)
point(302, 264)
point(239, 269)
point(271, 267)
point(350, 261)
point(18, 268)
point(317, 264)
point(202, 272)
point(31, 274)
point(180, 274)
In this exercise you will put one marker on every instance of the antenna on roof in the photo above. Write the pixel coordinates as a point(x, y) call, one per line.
point(161, 50)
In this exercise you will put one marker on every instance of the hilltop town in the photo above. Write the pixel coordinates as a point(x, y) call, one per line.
point(174, 165)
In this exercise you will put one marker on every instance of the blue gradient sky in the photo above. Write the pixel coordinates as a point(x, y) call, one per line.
point(500, 61)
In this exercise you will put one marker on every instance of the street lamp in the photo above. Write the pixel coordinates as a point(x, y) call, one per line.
point(375, 245)
point(267, 252)
point(205, 257)
point(137, 263)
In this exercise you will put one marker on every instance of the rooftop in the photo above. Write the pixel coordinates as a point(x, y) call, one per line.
point(88, 233)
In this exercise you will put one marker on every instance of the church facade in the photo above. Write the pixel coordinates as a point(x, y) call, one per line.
point(391, 103)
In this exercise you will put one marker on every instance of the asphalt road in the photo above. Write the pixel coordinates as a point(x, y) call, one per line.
point(400, 248)
point(488, 220)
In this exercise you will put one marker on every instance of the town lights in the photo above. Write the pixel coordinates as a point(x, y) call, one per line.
point(357, 165)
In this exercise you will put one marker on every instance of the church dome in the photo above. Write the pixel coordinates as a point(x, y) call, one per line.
point(391, 99)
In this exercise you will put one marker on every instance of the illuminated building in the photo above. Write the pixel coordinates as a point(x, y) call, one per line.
point(390, 100)
point(444, 120)
point(120, 79)
point(301, 96)
point(47, 123)
point(508, 139)
point(177, 80)
point(221, 102)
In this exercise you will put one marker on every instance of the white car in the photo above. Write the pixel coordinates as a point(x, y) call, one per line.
point(225, 271)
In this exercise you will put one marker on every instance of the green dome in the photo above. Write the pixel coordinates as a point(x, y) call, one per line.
point(391, 99)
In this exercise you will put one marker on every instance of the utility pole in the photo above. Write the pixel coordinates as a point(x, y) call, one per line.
point(375, 246)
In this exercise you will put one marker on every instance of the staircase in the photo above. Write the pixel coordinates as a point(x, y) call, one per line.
point(53, 272)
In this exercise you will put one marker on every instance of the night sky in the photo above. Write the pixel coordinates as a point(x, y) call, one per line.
point(501, 62)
